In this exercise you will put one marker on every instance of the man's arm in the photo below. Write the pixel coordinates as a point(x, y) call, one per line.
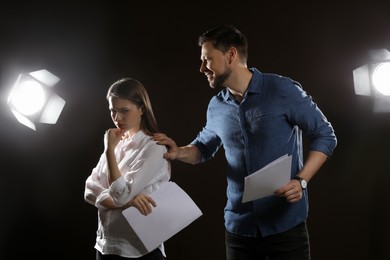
point(312, 165)
point(188, 154)
point(292, 190)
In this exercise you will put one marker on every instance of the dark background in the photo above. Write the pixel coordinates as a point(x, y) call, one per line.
point(90, 45)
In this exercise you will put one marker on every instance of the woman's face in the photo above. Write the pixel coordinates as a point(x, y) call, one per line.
point(125, 114)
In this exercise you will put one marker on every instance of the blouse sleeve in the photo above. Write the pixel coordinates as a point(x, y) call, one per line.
point(146, 170)
point(96, 186)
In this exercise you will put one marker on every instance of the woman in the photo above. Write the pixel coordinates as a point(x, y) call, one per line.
point(130, 168)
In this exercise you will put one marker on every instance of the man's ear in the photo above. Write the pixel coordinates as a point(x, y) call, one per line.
point(232, 54)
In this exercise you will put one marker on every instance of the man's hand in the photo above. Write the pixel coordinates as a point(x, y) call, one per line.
point(173, 150)
point(292, 191)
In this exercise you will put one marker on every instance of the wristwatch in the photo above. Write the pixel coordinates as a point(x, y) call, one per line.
point(302, 181)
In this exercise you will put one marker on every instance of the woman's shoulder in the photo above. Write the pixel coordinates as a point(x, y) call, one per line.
point(151, 144)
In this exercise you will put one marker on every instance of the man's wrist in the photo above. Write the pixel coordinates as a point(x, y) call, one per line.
point(302, 181)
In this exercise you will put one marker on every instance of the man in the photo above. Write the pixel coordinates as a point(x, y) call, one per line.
point(257, 118)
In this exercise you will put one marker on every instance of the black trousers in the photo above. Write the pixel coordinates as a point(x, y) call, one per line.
point(290, 245)
point(154, 255)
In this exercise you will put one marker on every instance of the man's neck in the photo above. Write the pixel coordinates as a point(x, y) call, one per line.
point(239, 83)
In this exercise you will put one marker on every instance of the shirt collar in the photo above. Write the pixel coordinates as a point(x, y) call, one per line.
point(138, 136)
point(256, 81)
point(254, 85)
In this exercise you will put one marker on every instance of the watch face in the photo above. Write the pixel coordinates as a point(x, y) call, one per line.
point(303, 184)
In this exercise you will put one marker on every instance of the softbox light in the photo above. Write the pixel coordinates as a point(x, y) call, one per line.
point(33, 100)
point(373, 79)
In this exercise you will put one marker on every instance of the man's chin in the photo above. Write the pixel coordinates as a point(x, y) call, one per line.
point(212, 84)
point(217, 87)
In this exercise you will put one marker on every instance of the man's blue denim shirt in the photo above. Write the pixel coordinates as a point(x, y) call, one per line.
point(267, 124)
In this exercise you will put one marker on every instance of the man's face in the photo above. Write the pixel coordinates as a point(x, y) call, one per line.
point(214, 65)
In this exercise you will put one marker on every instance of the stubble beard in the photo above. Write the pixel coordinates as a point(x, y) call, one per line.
point(220, 81)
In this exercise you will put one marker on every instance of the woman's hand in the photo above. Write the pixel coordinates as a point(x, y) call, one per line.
point(112, 137)
point(143, 203)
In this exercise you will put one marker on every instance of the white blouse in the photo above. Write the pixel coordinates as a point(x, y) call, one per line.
point(143, 169)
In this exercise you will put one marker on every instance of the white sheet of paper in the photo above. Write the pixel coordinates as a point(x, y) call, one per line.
point(265, 181)
point(175, 210)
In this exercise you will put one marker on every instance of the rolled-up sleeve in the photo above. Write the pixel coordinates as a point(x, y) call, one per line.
point(306, 114)
point(95, 186)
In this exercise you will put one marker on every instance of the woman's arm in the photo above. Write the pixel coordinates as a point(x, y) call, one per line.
point(149, 167)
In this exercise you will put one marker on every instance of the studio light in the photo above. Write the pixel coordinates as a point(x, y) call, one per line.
point(373, 79)
point(32, 99)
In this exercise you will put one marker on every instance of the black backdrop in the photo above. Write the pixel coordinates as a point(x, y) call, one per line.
point(90, 45)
